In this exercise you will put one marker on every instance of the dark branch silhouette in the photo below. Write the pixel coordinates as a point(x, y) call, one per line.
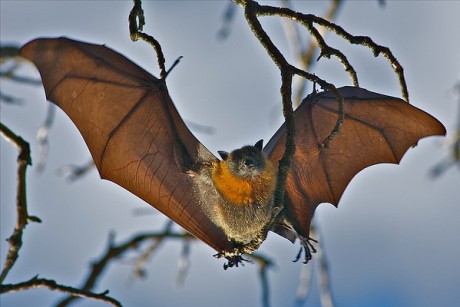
point(136, 25)
point(36, 282)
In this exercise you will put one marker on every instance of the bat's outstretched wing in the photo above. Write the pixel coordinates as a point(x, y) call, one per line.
point(132, 129)
point(376, 129)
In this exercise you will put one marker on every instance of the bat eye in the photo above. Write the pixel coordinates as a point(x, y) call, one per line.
point(248, 162)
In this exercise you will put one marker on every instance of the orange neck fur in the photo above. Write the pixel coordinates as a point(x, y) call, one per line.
point(239, 191)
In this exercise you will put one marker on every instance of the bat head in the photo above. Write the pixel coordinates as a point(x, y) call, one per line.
point(245, 162)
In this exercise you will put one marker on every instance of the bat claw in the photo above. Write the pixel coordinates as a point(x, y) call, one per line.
point(306, 246)
point(235, 261)
point(234, 255)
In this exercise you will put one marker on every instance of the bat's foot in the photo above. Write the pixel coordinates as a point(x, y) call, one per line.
point(235, 261)
point(306, 246)
point(234, 255)
point(234, 258)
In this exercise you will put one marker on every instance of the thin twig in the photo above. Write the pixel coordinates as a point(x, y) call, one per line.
point(9, 99)
point(227, 19)
point(305, 56)
point(292, 34)
point(145, 256)
point(308, 20)
point(42, 137)
point(72, 172)
point(10, 54)
point(24, 159)
point(453, 141)
point(323, 272)
point(136, 24)
point(304, 286)
point(52, 285)
point(20, 79)
point(183, 264)
point(265, 264)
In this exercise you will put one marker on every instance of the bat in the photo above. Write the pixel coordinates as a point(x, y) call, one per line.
point(139, 141)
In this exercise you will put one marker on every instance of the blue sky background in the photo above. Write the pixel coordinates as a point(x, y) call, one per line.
point(393, 241)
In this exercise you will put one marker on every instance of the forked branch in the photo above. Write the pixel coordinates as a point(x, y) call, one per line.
point(252, 10)
point(304, 54)
point(309, 20)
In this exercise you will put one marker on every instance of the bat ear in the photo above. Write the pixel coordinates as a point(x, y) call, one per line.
point(259, 145)
point(223, 154)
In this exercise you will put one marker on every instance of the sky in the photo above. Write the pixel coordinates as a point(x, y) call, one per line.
point(393, 240)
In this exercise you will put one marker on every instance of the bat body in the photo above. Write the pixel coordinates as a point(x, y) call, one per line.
point(237, 195)
point(138, 140)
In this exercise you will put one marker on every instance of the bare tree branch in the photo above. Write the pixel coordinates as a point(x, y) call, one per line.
point(303, 288)
point(15, 240)
point(145, 256)
point(305, 55)
point(265, 264)
point(9, 55)
point(228, 17)
point(250, 13)
point(251, 10)
point(136, 25)
point(36, 282)
point(323, 273)
point(8, 52)
point(73, 172)
point(307, 20)
point(183, 264)
point(42, 137)
point(115, 251)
